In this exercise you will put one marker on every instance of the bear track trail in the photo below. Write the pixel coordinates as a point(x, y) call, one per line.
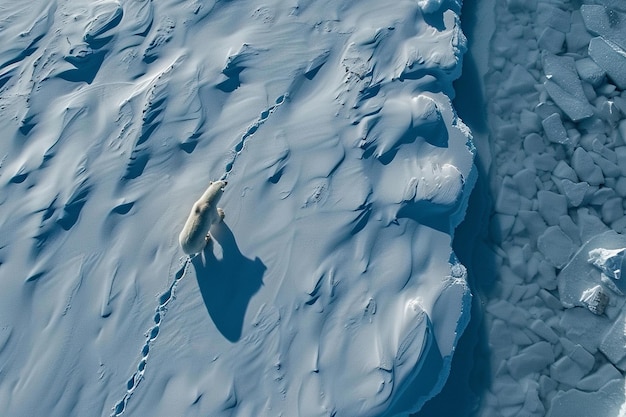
point(151, 335)
point(166, 297)
point(251, 130)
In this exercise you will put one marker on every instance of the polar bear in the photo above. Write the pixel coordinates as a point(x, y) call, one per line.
point(204, 214)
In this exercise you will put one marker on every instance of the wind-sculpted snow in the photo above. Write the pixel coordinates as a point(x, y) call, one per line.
point(330, 289)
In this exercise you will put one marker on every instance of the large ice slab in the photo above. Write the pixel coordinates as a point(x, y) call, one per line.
point(613, 343)
point(608, 23)
point(575, 108)
point(607, 401)
point(562, 70)
point(611, 58)
point(579, 275)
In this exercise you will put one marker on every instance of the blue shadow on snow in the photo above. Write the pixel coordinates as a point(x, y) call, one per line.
point(227, 284)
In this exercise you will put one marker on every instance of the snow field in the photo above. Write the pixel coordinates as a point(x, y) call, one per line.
point(330, 288)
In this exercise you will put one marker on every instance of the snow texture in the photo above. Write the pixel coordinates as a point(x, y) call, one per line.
point(329, 289)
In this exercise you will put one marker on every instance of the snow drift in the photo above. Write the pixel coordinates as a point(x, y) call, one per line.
point(330, 288)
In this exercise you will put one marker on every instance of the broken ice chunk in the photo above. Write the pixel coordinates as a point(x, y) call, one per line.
point(609, 261)
point(589, 225)
point(608, 110)
point(529, 122)
point(613, 343)
point(533, 222)
point(534, 358)
point(533, 144)
point(579, 275)
point(601, 195)
point(551, 40)
point(620, 151)
point(574, 191)
point(520, 81)
point(564, 171)
point(610, 57)
point(589, 71)
point(547, 385)
point(577, 38)
point(609, 24)
point(612, 210)
point(585, 167)
point(620, 102)
point(545, 109)
point(544, 162)
point(544, 331)
point(599, 378)
point(551, 206)
point(510, 393)
point(566, 371)
point(584, 328)
point(569, 228)
point(562, 70)
point(549, 15)
point(555, 131)
point(525, 181)
point(575, 108)
point(595, 299)
point(620, 187)
point(555, 246)
point(508, 201)
point(578, 354)
point(573, 402)
point(533, 406)
point(608, 168)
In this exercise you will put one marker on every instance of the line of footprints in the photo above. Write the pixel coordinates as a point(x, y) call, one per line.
point(167, 296)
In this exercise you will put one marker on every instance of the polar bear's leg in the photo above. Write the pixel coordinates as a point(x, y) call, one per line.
point(220, 213)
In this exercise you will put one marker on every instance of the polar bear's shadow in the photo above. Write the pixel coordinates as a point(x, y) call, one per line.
point(227, 284)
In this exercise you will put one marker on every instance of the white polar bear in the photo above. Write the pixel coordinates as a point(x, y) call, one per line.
point(204, 214)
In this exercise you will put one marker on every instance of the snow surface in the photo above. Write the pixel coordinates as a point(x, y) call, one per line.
point(330, 288)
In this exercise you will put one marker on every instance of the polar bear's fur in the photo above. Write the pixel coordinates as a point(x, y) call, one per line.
point(204, 214)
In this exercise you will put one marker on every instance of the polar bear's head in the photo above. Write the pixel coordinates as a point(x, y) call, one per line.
point(220, 184)
point(213, 194)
